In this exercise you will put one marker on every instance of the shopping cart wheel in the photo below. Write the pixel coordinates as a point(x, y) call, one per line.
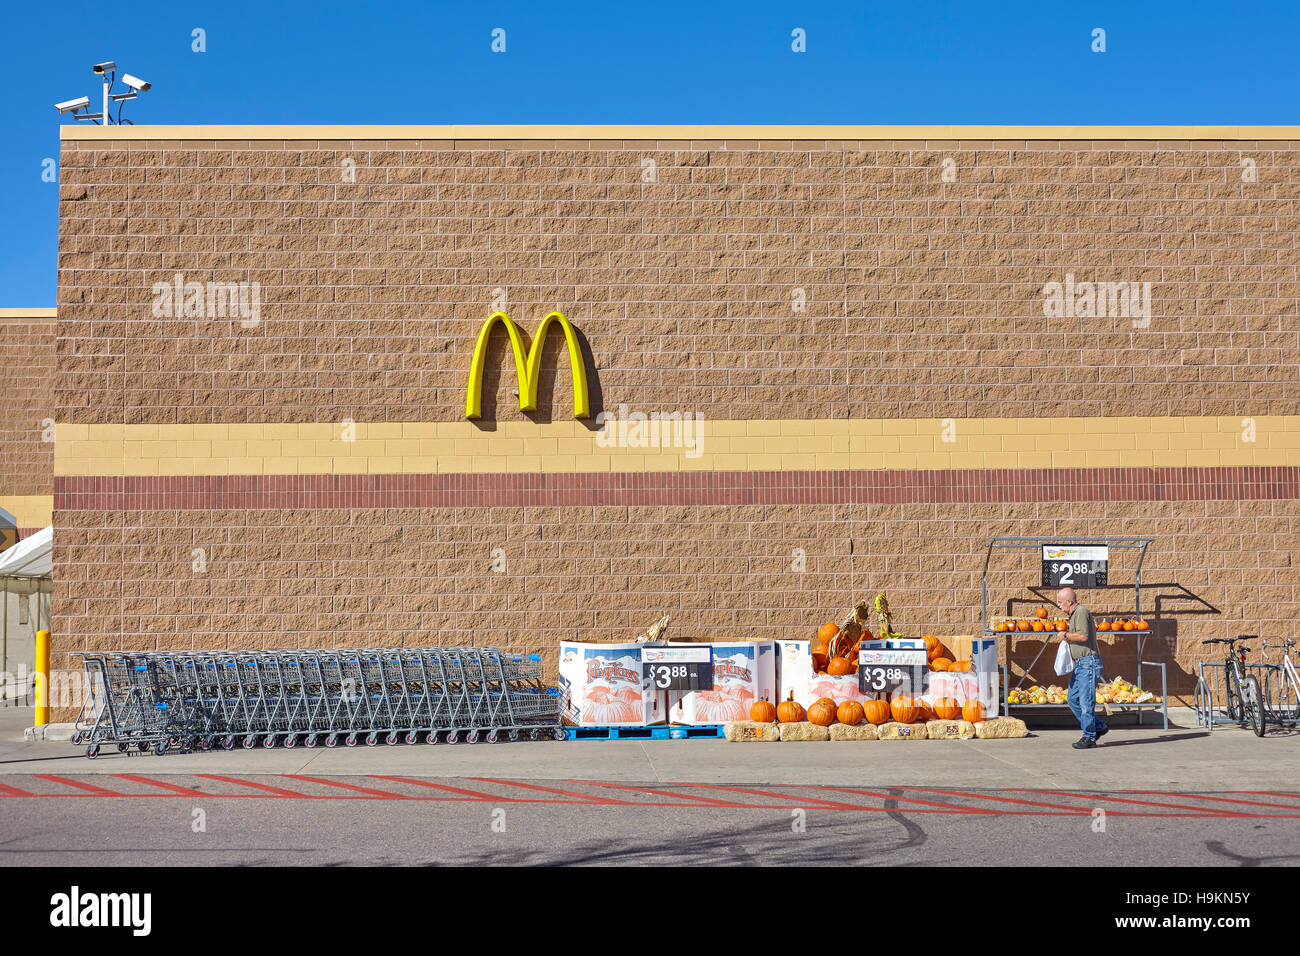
point(123, 748)
point(412, 738)
point(160, 748)
point(207, 744)
point(76, 738)
point(471, 737)
point(352, 740)
point(309, 741)
point(92, 751)
point(269, 742)
point(534, 734)
point(290, 741)
point(491, 736)
point(250, 742)
point(514, 735)
point(332, 740)
point(559, 733)
point(227, 743)
point(372, 739)
point(143, 747)
point(453, 736)
point(391, 739)
point(432, 738)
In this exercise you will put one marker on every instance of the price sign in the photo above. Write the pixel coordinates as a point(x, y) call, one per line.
point(889, 671)
point(679, 668)
point(1071, 566)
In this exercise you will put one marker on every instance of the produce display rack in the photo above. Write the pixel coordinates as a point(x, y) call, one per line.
point(1134, 544)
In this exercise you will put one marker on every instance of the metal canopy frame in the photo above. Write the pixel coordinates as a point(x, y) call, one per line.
point(1133, 544)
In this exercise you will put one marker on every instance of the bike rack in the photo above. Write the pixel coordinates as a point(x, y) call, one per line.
point(1212, 692)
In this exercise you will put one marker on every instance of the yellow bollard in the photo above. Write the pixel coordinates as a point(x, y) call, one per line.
point(42, 678)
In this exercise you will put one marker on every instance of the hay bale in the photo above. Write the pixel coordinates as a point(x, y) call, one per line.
point(996, 728)
point(751, 731)
point(950, 729)
point(803, 730)
point(896, 731)
point(863, 731)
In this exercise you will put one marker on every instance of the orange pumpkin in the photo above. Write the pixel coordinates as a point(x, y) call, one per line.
point(820, 656)
point(762, 711)
point(904, 709)
point(1041, 612)
point(1142, 625)
point(827, 701)
point(961, 667)
point(972, 710)
point(941, 664)
point(849, 712)
point(947, 708)
point(931, 642)
point(1103, 626)
point(789, 711)
point(1001, 627)
point(1062, 626)
point(924, 713)
point(827, 633)
point(934, 653)
point(822, 713)
point(1023, 626)
point(1130, 626)
point(876, 711)
point(839, 666)
point(1039, 626)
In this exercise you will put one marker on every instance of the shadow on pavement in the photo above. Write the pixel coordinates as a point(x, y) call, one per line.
point(1163, 738)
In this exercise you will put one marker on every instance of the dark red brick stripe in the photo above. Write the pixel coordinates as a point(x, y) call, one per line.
point(236, 492)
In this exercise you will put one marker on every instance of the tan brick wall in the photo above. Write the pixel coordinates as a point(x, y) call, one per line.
point(423, 577)
point(27, 369)
point(924, 298)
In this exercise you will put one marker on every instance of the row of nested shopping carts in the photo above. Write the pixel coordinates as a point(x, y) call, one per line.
point(204, 699)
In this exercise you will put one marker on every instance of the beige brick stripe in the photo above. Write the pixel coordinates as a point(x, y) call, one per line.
point(391, 448)
point(30, 511)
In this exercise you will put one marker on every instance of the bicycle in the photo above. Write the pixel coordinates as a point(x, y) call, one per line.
point(1288, 697)
point(1245, 701)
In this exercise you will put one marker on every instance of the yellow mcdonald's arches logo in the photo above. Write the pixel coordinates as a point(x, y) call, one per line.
point(527, 368)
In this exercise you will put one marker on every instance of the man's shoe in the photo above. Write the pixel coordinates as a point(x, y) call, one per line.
point(1103, 732)
point(1083, 743)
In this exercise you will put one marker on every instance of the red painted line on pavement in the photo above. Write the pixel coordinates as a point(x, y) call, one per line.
point(8, 791)
point(697, 800)
point(1206, 796)
point(933, 803)
point(174, 788)
point(381, 794)
point(474, 794)
point(795, 801)
point(88, 787)
point(1146, 803)
point(588, 798)
point(1269, 793)
point(984, 796)
point(278, 791)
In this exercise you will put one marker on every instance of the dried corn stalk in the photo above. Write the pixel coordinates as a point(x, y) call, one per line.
point(853, 629)
point(654, 630)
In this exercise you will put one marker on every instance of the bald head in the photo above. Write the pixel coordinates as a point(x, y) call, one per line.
point(1067, 599)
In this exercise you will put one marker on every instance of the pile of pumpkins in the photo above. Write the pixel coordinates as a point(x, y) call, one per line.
point(837, 658)
point(902, 709)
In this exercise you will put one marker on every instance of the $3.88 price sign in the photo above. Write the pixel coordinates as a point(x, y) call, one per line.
point(887, 678)
point(681, 676)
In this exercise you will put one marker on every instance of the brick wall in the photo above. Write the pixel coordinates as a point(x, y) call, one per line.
point(27, 371)
point(924, 300)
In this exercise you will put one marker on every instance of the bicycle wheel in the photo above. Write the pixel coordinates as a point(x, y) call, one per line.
point(1252, 703)
point(1232, 706)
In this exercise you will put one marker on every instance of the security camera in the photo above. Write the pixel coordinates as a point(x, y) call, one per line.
point(71, 106)
point(106, 67)
point(135, 82)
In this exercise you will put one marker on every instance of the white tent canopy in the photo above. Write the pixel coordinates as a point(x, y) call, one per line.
point(33, 557)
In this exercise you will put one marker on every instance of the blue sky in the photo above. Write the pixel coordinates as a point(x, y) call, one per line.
point(1015, 61)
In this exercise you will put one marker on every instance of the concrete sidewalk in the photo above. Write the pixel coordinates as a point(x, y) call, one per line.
point(1181, 758)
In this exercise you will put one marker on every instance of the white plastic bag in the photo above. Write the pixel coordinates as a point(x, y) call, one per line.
point(1064, 660)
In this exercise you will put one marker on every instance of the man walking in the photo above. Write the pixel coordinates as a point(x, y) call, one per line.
point(1081, 637)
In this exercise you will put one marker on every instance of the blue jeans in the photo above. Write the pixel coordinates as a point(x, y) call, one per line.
point(1082, 696)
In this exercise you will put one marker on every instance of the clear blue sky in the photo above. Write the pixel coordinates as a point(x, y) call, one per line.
point(707, 61)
